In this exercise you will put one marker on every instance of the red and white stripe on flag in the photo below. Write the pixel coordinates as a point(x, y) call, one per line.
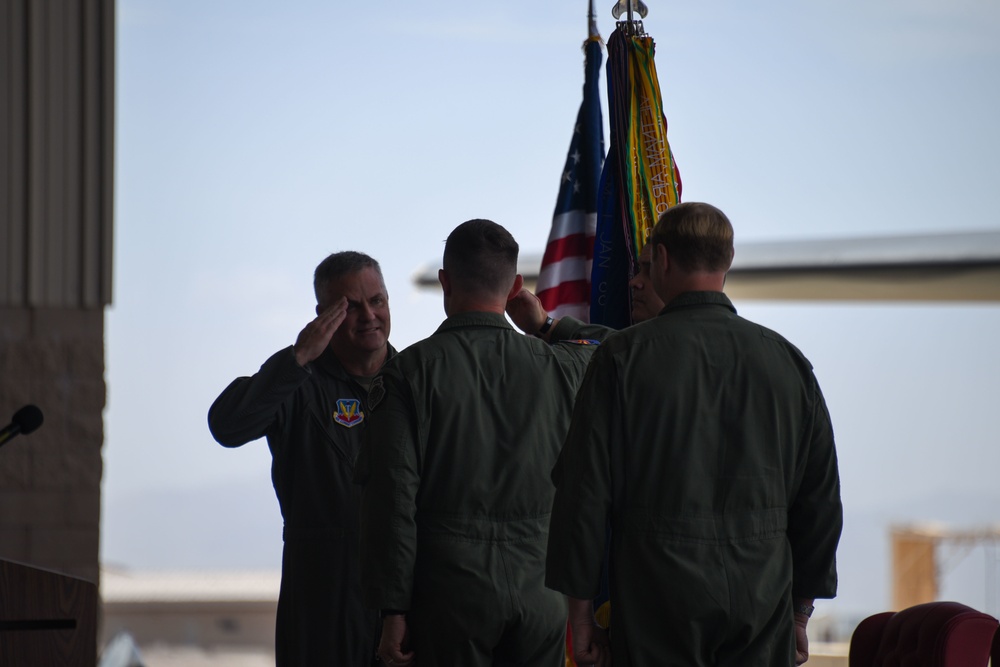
point(564, 280)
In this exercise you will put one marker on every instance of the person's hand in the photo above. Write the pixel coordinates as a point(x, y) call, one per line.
point(590, 646)
point(590, 641)
point(526, 311)
point(316, 335)
point(801, 639)
point(395, 639)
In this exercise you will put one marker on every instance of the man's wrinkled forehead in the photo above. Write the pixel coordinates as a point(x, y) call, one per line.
point(366, 283)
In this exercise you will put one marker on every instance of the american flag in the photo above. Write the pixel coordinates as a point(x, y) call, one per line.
point(564, 278)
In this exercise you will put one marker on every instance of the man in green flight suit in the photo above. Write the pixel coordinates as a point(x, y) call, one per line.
point(309, 400)
point(705, 440)
point(464, 429)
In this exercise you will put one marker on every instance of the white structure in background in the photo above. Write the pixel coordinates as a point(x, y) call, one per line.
point(192, 618)
point(121, 651)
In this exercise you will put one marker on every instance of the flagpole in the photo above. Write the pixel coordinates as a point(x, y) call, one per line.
point(564, 280)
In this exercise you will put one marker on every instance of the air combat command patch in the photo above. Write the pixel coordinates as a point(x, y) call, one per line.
point(348, 412)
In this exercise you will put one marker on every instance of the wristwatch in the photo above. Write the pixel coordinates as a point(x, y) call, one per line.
point(804, 609)
point(544, 329)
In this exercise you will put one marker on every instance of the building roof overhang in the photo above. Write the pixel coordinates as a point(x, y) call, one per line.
point(927, 267)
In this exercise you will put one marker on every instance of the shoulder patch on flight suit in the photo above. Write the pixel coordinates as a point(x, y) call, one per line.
point(582, 341)
point(376, 392)
point(348, 412)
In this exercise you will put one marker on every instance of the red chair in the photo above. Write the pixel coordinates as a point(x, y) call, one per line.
point(935, 634)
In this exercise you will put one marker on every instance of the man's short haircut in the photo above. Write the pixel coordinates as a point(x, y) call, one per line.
point(480, 256)
point(340, 264)
point(699, 237)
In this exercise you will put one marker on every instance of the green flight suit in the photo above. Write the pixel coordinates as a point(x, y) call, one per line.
point(464, 429)
point(705, 440)
point(313, 418)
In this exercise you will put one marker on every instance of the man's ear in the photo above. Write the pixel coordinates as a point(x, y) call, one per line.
point(445, 281)
point(662, 257)
point(516, 288)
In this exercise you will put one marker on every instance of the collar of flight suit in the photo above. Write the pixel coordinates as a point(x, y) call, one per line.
point(687, 299)
point(476, 319)
point(330, 364)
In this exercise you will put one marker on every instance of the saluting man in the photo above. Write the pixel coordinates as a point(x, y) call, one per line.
point(310, 401)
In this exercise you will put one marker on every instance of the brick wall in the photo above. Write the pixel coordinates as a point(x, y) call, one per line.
point(50, 480)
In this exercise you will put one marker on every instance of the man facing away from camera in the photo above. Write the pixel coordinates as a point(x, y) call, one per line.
point(705, 440)
point(465, 428)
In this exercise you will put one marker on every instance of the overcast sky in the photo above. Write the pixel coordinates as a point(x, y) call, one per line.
point(254, 138)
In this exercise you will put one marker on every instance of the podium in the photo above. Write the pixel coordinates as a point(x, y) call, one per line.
point(46, 618)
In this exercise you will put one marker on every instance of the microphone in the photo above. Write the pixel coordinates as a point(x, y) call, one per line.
point(25, 420)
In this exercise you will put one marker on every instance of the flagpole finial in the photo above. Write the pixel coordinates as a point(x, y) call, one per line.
point(592, 21)
point(631, 26)
point(628, 7)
